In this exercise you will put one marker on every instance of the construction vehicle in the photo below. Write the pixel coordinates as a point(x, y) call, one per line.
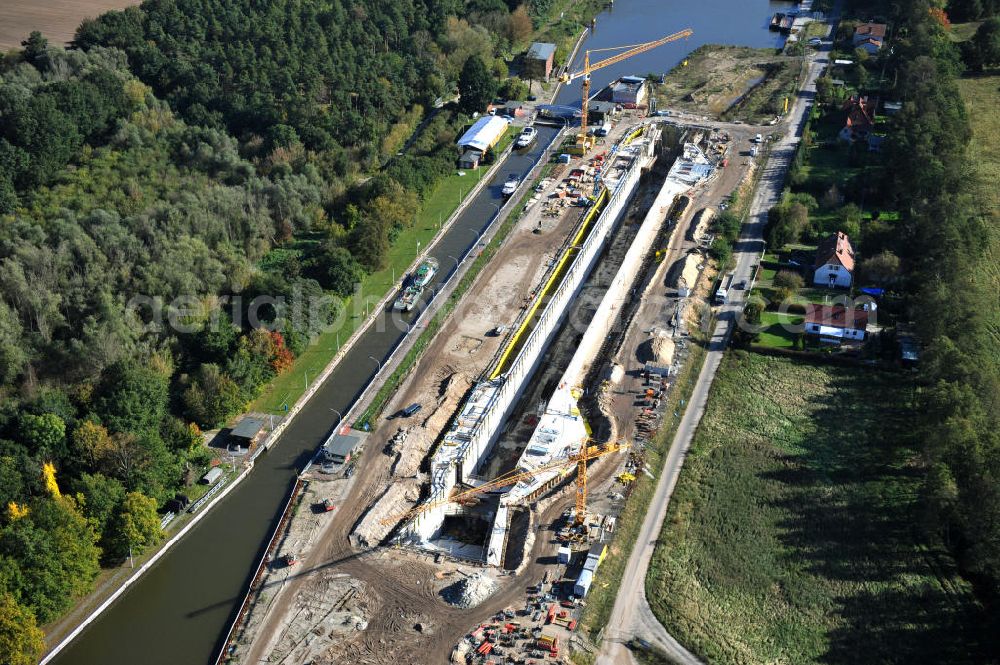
point(583, 141)
point(581, 458)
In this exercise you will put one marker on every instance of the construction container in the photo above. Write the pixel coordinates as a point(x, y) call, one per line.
point(565, 554)
point(583, 583)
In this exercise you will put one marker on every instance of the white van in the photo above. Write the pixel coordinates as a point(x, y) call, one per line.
point(603, 130)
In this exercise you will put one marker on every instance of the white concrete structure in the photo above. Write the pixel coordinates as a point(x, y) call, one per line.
point(561, 430)
point(480, 418)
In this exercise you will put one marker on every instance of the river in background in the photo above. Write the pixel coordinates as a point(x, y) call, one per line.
point(629, 22)
point(177, 613)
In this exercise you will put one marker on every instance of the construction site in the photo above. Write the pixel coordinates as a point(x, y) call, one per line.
point(470, 523)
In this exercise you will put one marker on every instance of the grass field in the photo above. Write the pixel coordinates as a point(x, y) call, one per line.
point(779, 332)
point(793, 534)
point(982, 98)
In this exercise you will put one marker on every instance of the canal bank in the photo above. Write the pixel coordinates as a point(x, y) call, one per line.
point(178, 611)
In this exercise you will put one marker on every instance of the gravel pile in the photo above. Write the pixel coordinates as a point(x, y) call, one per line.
point(470, 591)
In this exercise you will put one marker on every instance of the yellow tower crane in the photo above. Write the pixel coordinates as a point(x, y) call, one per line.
point(587, 453)
point(588, 67)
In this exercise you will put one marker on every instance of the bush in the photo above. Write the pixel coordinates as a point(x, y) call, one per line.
point(786, 279)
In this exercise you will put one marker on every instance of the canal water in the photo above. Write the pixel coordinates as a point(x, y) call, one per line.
point(176, 614)
point(629, 22)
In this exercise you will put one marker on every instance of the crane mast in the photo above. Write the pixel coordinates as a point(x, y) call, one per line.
point(633, 50)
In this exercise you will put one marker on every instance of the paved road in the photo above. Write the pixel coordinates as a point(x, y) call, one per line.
point(632, 616)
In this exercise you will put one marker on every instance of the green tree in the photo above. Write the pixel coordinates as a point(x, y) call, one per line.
point(137, 525)
point(339, 270)
point(476, 86)
point(100, 497)
point(986, 42)
point(883, 268)
point(44, 435)
point(56, 553)
point(212, 397)
point(786, 279)
point(36, 50)
point(132, 398)
point(21, 640)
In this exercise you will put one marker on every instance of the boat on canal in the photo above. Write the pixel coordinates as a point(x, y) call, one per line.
point(408, 298)
point(425, 272)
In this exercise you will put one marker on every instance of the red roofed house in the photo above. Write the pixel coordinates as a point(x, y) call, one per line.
point(834, 323)
point(860, 119)
point(834, 262)
point(870, 37)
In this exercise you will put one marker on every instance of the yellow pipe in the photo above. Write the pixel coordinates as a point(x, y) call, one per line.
point(501, 363)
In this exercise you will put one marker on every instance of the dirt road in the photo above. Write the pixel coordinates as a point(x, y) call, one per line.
point(631, 615)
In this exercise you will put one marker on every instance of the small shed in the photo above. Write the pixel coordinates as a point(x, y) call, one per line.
point(629, 91)
point(602, 111)
point(539, 60)
point(212, 476)
point(470, 159)
point(341, 446)
point(247, 432)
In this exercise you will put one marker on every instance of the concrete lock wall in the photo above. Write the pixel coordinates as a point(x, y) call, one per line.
point(618, 292)
point(426, 525)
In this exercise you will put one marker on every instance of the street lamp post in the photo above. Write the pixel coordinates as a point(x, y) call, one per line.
point(378, 363)
point(340, 418)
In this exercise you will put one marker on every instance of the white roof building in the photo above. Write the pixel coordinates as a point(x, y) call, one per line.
point(484, 133)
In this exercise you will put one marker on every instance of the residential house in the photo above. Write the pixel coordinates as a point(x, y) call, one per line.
point(629, 91)
point(870, 37)
point(834, 266)
point(836, 323)
point(539, 60)
point(860, 119)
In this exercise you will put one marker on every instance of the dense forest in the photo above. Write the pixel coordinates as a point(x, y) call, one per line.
point(952, 245)
point(182, 159)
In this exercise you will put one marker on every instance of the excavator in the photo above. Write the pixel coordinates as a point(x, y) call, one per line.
point(583, 141)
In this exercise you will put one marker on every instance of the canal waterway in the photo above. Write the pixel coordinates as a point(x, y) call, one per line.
point(629, 22)
point(177, 613)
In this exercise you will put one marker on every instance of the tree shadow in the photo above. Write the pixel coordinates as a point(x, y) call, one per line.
point(847, 497)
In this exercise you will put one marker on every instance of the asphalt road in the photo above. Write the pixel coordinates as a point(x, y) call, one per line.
point(632, 616)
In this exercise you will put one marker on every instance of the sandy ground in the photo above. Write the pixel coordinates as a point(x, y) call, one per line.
point(397, 590)
point(56, 19)
point(312, 612)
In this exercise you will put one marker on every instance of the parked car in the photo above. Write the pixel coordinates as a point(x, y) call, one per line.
point(412, 409)
point(510, 186)
point(741, 285)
